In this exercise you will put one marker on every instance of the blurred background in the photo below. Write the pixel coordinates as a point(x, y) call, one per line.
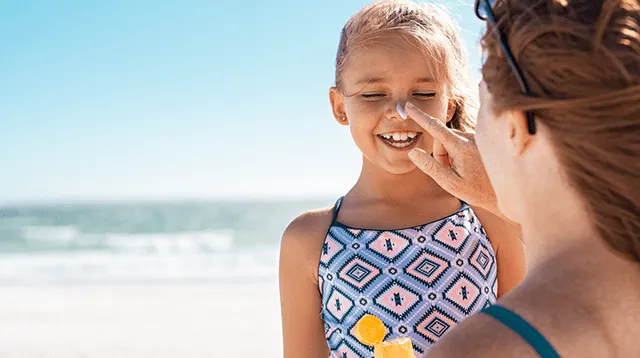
point(151, 154)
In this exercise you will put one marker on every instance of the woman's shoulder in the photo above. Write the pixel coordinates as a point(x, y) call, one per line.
point(527, 312)
point(480, 336)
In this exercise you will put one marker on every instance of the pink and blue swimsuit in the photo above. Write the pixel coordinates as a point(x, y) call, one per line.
point(420, 281)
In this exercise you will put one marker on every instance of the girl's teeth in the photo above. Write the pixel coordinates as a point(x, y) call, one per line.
point(399, 139)
point(400, 145)
point(399, 136)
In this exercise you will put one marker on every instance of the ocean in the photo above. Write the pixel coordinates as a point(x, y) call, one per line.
point(143, 279)
point(144, 242)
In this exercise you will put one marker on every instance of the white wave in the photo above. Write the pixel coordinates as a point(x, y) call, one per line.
point(118, 267)
point(161, 243)
point(52, 234)
point(115, 257)
point(176, 243)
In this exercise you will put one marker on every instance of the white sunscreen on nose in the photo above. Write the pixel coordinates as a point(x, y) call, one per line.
point(401, 111)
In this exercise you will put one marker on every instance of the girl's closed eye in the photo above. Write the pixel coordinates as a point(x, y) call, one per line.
point(420, 95)
point(373, 95)
point(424, 95)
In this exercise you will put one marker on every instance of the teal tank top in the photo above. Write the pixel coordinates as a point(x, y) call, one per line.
point(523, 329)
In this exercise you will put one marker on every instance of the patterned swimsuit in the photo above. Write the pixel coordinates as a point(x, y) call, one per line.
point(420, 281)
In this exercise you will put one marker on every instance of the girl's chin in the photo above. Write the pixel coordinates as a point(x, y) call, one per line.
point(399, 167)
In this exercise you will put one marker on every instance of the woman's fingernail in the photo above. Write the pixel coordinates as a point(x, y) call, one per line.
point(414, 155)
point(401, 111)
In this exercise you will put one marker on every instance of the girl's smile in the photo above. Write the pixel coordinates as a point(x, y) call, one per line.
point(400, 140)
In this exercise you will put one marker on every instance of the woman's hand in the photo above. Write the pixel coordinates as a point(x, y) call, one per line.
point(455, 163)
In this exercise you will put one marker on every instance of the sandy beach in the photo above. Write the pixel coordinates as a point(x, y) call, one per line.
point(140, 320)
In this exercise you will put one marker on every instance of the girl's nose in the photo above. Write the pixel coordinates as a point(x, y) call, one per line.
point(398, 113)
point(400, 108)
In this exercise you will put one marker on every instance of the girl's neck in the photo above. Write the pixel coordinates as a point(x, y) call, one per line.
point(375, 183)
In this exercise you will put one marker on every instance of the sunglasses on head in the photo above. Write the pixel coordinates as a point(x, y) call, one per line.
point(485, 13)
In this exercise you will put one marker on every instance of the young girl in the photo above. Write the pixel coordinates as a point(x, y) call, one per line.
point(396, 246)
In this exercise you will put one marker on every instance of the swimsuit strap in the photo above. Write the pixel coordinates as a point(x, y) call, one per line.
point(336, 208)
point(523, 329)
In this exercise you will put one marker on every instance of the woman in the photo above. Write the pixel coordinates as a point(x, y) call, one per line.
point(559, 135)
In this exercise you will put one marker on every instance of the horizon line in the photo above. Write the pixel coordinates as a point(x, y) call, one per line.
point(163, 199)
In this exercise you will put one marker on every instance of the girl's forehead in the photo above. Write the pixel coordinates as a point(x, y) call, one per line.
point(399, 61)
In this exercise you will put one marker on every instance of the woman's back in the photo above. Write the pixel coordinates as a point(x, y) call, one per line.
point(591, 304)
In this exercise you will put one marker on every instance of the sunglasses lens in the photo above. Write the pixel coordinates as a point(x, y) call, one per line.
point(484, 8)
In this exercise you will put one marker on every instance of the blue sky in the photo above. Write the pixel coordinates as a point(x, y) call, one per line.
point(193, 98)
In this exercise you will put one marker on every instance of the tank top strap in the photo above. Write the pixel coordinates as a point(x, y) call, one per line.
point(525, 330)
point(336, 209)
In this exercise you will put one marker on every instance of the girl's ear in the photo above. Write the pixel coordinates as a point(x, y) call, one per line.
point(336, 98)
point(452, 110)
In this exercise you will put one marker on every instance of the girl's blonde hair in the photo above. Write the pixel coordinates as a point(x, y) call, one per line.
point(432, 29)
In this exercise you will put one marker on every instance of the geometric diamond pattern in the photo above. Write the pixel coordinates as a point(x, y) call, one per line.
point(330, 250)
point(397, 299)
point(434, 324)
point(427, 267)
point(389, 245)
point(339, 304)
point(463, 293)
point(482, 260)
point(419, 281)
point(452, 236)
point(359, 273)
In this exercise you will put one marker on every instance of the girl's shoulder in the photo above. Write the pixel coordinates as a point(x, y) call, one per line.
point(309, 225)
point(303, 238)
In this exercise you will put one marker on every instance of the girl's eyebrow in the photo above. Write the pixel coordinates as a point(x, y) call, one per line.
point(425, 80)
point(368, 80)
